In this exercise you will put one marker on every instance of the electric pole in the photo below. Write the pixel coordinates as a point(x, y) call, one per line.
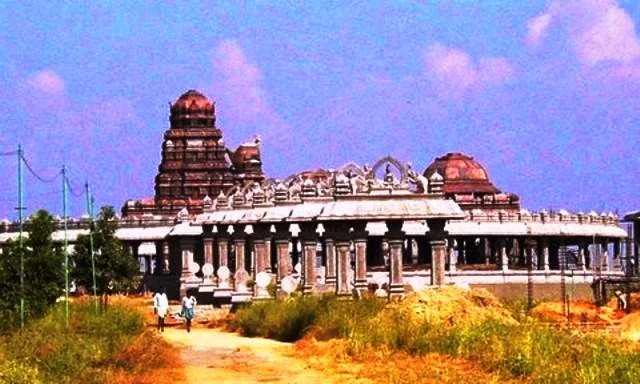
point(93, 262)
point(20, 210)
point(66, 252)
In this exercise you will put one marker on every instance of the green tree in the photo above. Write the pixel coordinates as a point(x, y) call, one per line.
point(43, 272)
point(115, 268)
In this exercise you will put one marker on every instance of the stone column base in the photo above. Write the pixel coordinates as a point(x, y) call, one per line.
point(240, 297)
point(222, 292)
point(396, 292)
point(361, 286)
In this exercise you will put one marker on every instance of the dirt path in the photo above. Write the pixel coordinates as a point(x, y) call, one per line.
point(213, 356)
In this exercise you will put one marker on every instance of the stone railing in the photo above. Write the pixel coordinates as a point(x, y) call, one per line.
point(74, 223)
point(561, 216)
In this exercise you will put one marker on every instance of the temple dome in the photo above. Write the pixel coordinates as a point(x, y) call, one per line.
point(246, 153)
point(462, 174)
point(192, 109)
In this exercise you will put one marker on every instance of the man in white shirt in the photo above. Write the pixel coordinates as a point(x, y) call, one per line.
point(161, 307)
point(188, 308)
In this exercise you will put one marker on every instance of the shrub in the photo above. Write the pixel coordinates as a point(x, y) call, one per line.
point(78, 353)
point(14, 372)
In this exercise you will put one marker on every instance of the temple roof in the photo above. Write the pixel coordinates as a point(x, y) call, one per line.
point(462, 174)
point(192, 99)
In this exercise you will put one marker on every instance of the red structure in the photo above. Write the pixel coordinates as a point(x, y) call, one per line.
point(195, 161)
point(467, 182)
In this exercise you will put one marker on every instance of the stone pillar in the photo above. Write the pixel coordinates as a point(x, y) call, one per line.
point(223, 246)
point(268, 244)
point(486, 250)
point(582, 258)
point(260, 234)
point(437, 234)
point(545, 254)
point(186, 251)
point(165, 268)
point(504, 257)
point(395, 237)
point(330, 249)
point(240, 292)
point(134, 247)
point(453, 258)
point(617, 255)
point(360, 243)
point(605, 255)
point(207, 245)
point(223, 272)
point(529, 252)
point(284, 269)
point(341, 235)
point(309, 239)
point(187, 278)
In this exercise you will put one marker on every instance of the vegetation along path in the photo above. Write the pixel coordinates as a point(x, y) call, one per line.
point(215, 356)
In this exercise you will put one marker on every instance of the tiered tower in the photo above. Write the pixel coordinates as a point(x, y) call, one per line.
point(195, 161)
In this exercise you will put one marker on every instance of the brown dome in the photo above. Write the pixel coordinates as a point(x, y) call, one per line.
point(461, 174)
point(245, 154)
point(192, 109)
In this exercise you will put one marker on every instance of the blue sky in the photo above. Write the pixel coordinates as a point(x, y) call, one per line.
point(545, 95)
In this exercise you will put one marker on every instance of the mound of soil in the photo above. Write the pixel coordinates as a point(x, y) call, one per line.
point(630, 327)
point(581, 311)
point(453, 306)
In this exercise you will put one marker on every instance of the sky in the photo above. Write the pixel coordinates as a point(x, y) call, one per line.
point(544, 94)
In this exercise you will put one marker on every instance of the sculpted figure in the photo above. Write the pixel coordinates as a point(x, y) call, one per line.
point(388, 175)
point(421, 182)
point(295, 187)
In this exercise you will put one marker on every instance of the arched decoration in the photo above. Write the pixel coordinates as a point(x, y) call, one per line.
point(291, 178)
point(352, 167)
point(394, 162)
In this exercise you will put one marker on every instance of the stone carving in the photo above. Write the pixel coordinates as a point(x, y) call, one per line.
point(238, 198)
point(341, 185)
point(308, 188)
point(421, 182)
point(389, 178)
point(281, 192)
point(183, 215)
point(295, 187)
point(258, 194)
point(208, 204)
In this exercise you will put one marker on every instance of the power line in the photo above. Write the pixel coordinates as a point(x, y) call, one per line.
point(12, 153)
point(41, 178)
point(71, 189)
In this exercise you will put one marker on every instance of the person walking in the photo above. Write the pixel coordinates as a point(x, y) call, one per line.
point(188, 308)
point(161, 307)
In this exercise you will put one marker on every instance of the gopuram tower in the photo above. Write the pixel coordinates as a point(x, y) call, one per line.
point(195, 161)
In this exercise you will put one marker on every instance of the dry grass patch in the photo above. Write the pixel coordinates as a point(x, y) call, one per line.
point(385, 366)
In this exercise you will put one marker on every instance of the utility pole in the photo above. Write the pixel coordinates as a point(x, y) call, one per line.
point(93, 262)
point(20, 210)
point(66, 252)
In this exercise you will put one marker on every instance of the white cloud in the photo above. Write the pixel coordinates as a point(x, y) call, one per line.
point(598, 30)
point(456, 73)
point(537, 28)
point(47, 82)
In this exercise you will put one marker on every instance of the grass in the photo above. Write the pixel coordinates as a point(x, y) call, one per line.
point(526, 351)
point(109, 347)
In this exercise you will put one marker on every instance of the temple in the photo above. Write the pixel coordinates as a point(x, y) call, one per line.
point(218, 225)
point(195, 161)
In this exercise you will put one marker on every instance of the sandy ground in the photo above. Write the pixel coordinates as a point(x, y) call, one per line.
point(214, 356)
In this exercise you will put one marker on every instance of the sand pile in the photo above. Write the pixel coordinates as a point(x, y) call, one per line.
point(452, 306)
point(581, 311)
point(630, 327)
